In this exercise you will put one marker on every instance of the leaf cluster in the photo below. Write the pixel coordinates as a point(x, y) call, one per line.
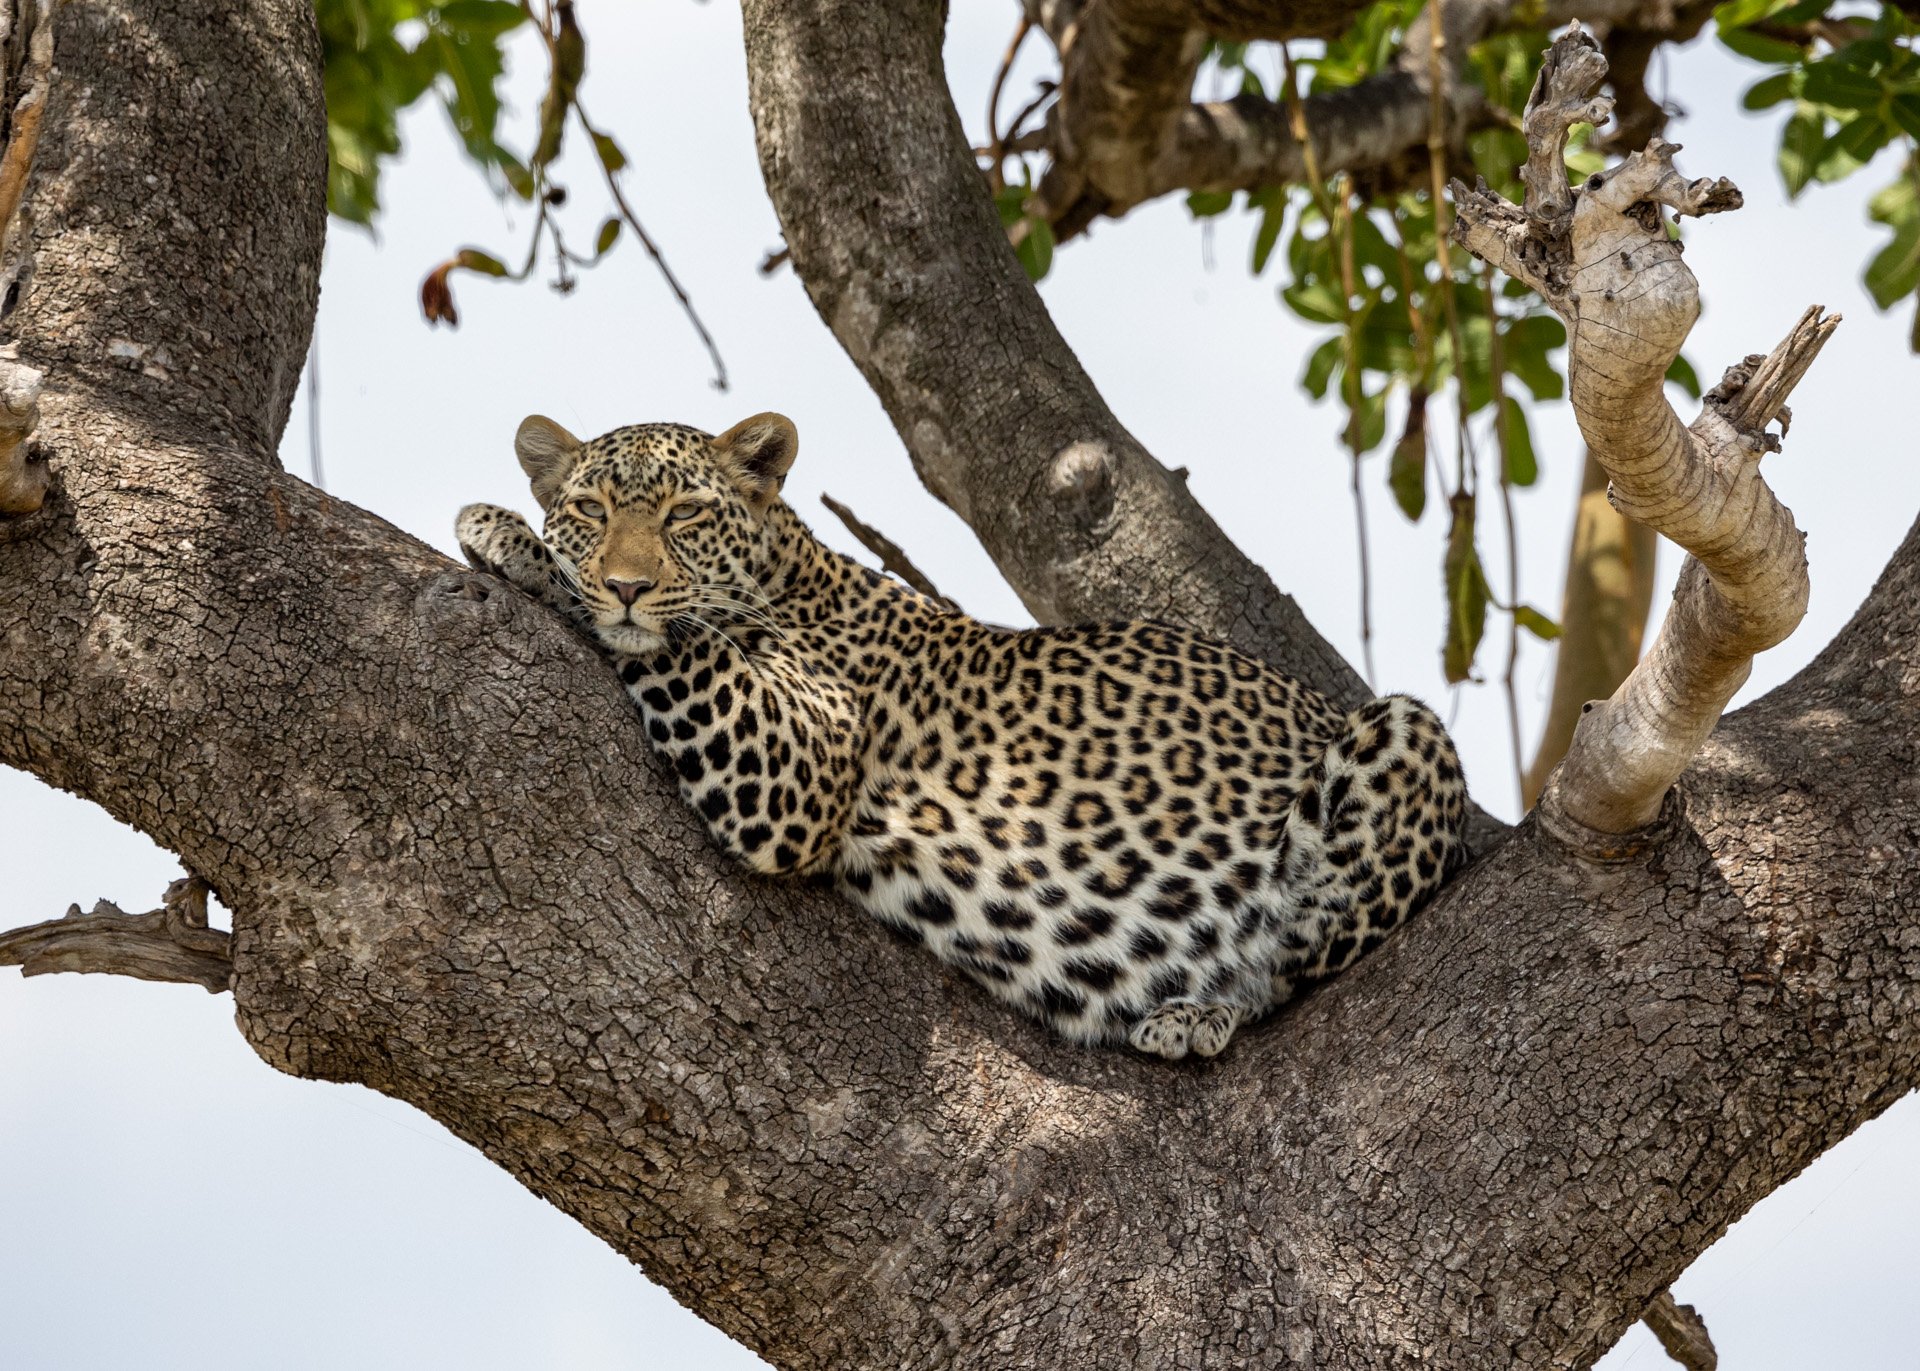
point(383, 55)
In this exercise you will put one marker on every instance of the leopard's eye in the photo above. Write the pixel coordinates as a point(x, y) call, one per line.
point(679, 514)
point(590, 509)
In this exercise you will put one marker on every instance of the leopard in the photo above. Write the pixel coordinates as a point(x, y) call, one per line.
point(1131, 832)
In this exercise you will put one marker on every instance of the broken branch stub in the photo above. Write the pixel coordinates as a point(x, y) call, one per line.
point(171, 943)
point(1601, 256)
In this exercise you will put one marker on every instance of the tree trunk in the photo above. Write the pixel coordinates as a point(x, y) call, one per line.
point(457, 876)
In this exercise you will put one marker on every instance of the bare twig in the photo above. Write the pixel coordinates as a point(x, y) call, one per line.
point(888, 551)
point(1682, 1332)
point(171, 943)
point(1601, 257)
point(996, 151)
point(659, 260)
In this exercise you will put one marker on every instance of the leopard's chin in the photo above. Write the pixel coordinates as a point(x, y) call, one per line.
point(630, 638)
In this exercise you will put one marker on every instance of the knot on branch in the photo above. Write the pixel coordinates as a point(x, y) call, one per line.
point(171, 943)
point(23, 466)
point(1081, 483)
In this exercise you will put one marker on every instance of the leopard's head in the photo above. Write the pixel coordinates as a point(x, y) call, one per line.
point(661, 526)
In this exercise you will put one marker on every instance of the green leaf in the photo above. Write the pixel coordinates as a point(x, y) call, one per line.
point(1760, 48)
point(1368, 424)
point(1407, 470)
point(1736, 13)
point(1527, 342)
point(1522, 469)
point(485, 263)
point(1853, 146)
point(1680, 371)
point(1536, 623)
point(1467, 594)
point(1897, 202)
point(482, 19)
point(1839, 85)
point(1767, 93)
point(609, 235)
point(1800, 144)
point(1204, 204)
point(1904, 110)
point(1318, 301)
point(1036, 248)
point(1273, 216)
point(609, 152)
point(1320, 368)
point(1894, 272)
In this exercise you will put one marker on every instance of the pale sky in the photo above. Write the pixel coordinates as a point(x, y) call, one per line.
point(177, 1203)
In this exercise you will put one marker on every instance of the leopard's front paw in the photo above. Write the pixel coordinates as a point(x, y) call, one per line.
point(489, 536)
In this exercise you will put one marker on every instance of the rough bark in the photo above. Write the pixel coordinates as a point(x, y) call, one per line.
point(904, 257)
point(456, 876)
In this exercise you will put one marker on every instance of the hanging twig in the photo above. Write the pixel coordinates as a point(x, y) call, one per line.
point(1334, 210)
point(996, 145)
point(632, 221)
point(1497, 366)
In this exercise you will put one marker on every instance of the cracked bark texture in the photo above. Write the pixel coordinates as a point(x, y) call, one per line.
point(456, 876)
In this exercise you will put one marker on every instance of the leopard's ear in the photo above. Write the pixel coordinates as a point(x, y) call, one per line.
point(546, 452)
point(757, 452)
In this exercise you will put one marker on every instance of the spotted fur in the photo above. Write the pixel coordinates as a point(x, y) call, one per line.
point(1130, 832)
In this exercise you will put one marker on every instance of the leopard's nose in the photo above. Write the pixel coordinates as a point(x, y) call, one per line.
point(628, 591)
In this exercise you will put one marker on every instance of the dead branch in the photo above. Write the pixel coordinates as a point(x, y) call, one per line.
point(171, 943)
point(1601, 257)
point(1682, 1332)
point(889, 552)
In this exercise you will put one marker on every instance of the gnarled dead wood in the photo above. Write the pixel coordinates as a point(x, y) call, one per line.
point(171, 943)
point(1602, 258)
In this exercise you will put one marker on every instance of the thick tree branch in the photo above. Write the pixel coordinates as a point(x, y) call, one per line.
point(171, 943)
point(1602, 258)
point(914, 275)
point(1123, 131)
